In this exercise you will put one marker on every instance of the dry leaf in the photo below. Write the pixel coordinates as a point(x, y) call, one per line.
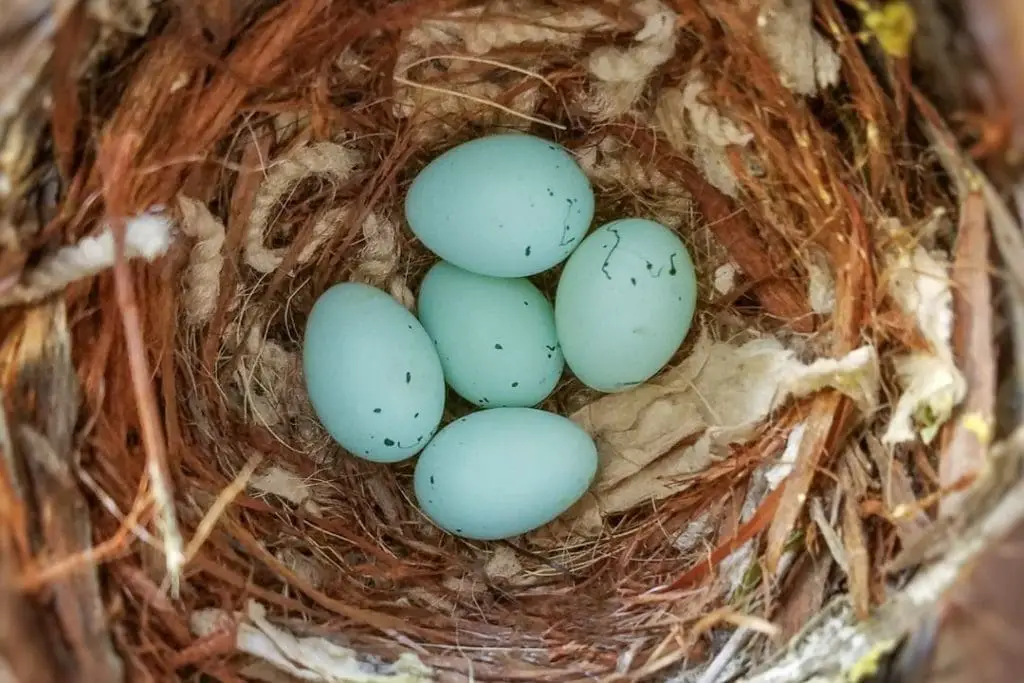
point(856, 375)
point(775, 473)
point(821, 284)
point(718, 385)
point(719, 393)
point(505, 24)
point(932, 388)
point(919, 283)
point(280, 482)
point(309, 659)
point(716, 397)
point(725, 278)
point(621, 74)
point(503, 565)
point(655, 482)
point(698, 130)
point(803, 58)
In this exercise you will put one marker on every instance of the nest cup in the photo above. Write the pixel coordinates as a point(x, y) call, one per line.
point(203, 181)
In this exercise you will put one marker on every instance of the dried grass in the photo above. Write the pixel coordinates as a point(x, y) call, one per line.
point(281, 137)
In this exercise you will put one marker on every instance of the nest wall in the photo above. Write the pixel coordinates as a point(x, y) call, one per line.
point(211, 177)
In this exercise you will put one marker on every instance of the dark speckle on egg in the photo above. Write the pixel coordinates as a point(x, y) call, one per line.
point(431, 478)
point(527, 250)
point(632, 281)
point(515, 384)
point(408, 377)
point(389, 442)
point(526, 303)
point(499, 347)
point(377, 410)
point(415, 415)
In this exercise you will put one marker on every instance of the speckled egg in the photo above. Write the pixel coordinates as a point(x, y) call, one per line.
point(372, 373)
point(502, 472)
point(507, 205)
point(624, 303)
point(495, 336)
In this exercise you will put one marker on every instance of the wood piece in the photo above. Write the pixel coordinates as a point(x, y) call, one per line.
point(964, 455)
point(49, 512)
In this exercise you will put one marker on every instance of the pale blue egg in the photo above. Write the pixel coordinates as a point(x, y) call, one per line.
point(624, 303)
point(495, 336)
point(502, 472)
point(372, 373)
point(506, 205)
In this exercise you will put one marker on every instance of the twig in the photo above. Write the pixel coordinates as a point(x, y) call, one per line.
point(964, 455)
point(149, 415)
point(209, 520)
point(834, 642)
point(815, 447)
point(757, 523)
point(95, 555)
point(725, 656)
point(482, 60)
point(832, 540)
point(858, 566)
point(480, 100)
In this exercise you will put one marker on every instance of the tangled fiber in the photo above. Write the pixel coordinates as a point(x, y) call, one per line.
point(841, 422)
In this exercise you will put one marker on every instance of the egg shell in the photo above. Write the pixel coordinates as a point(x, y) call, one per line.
point(507, 205)
point(372, 373)
point(495, 336)
point(624, 303)
point(502, 472)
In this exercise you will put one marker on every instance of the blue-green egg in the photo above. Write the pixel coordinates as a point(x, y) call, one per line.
point(495, 336)
point(507, 205)
point(624, 303)
point(372, 373)
point(502, 472)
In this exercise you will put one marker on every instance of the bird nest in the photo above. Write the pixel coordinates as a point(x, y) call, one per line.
point(789, 499)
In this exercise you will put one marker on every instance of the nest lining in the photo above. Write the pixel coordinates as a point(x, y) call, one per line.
point(784, 161)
